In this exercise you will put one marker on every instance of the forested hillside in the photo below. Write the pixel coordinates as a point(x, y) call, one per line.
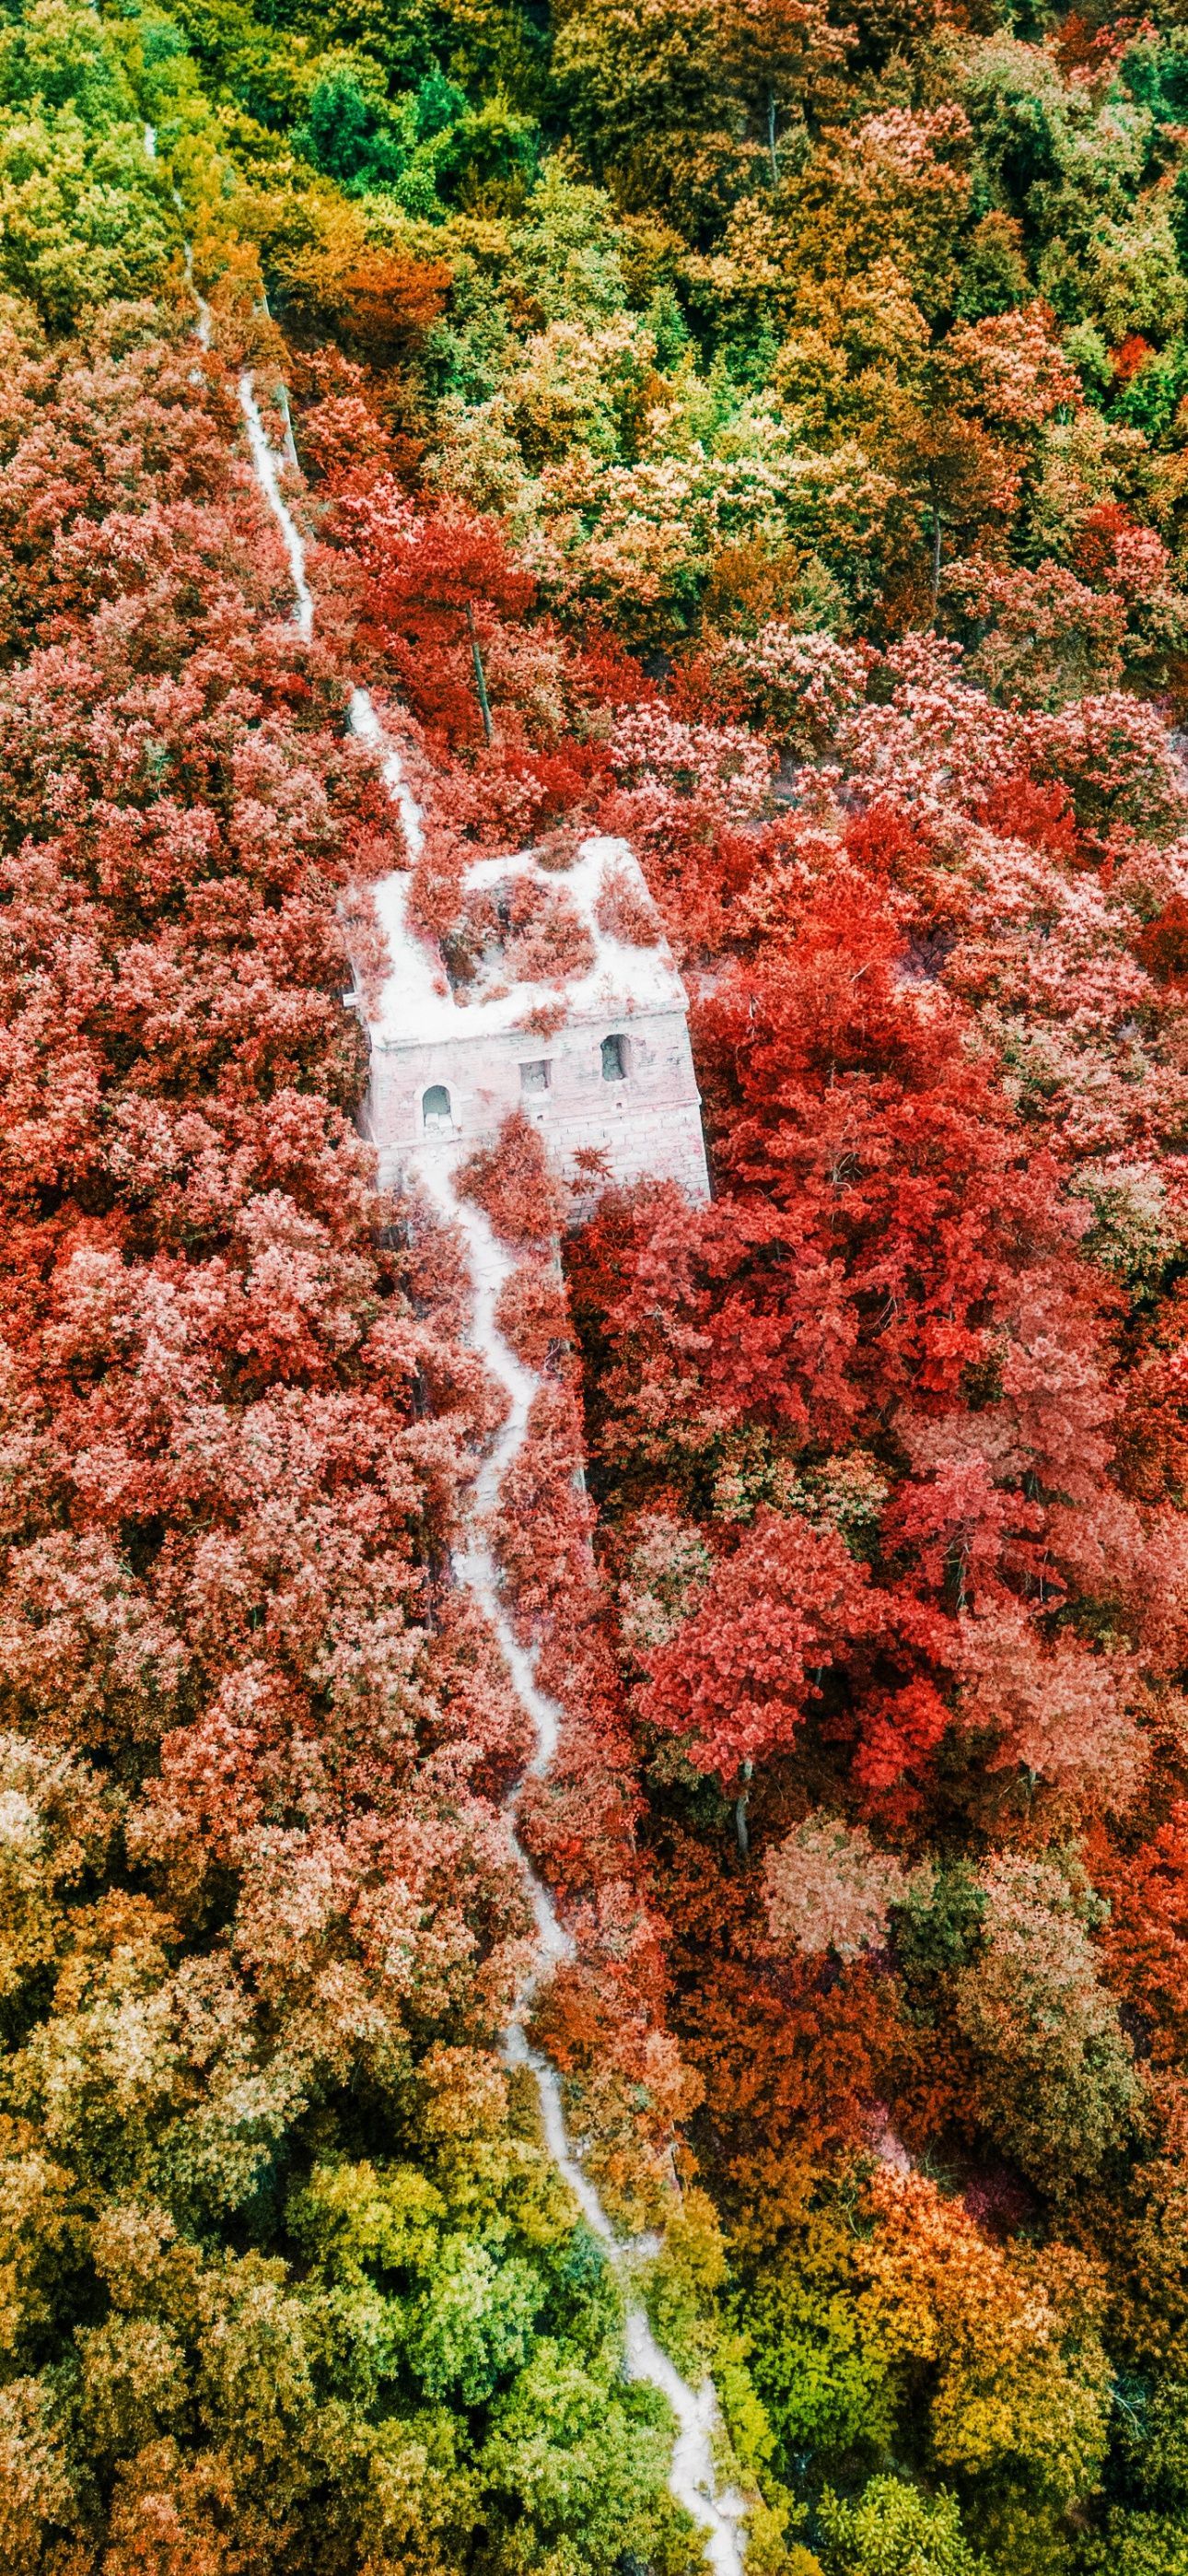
point(757, 429)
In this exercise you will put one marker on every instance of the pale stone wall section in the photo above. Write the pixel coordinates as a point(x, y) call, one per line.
point(427, 1041)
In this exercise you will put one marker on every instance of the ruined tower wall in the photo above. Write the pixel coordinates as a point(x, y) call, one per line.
point(648, 1121)
point(615, 1078)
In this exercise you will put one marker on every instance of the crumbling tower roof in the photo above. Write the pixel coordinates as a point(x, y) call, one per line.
point(421, 1005)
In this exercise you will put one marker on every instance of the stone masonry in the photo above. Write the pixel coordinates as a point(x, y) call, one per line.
point(614, 1079)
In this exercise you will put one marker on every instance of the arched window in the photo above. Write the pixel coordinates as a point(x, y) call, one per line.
point(436, 1111)
point(614, 1059)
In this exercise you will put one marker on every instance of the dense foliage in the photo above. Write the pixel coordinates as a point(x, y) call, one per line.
point(782, 409)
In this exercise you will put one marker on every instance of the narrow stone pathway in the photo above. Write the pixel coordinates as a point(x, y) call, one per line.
point(692, 2480)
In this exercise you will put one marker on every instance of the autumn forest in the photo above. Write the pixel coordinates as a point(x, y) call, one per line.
point(755, 431)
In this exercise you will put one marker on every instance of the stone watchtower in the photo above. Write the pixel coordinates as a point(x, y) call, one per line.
point(558, 996)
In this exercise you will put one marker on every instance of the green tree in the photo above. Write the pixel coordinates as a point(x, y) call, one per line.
point(1056, 2075)
point(896, 2530)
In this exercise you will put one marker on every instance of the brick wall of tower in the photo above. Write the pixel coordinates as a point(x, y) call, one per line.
point(647, 1123)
